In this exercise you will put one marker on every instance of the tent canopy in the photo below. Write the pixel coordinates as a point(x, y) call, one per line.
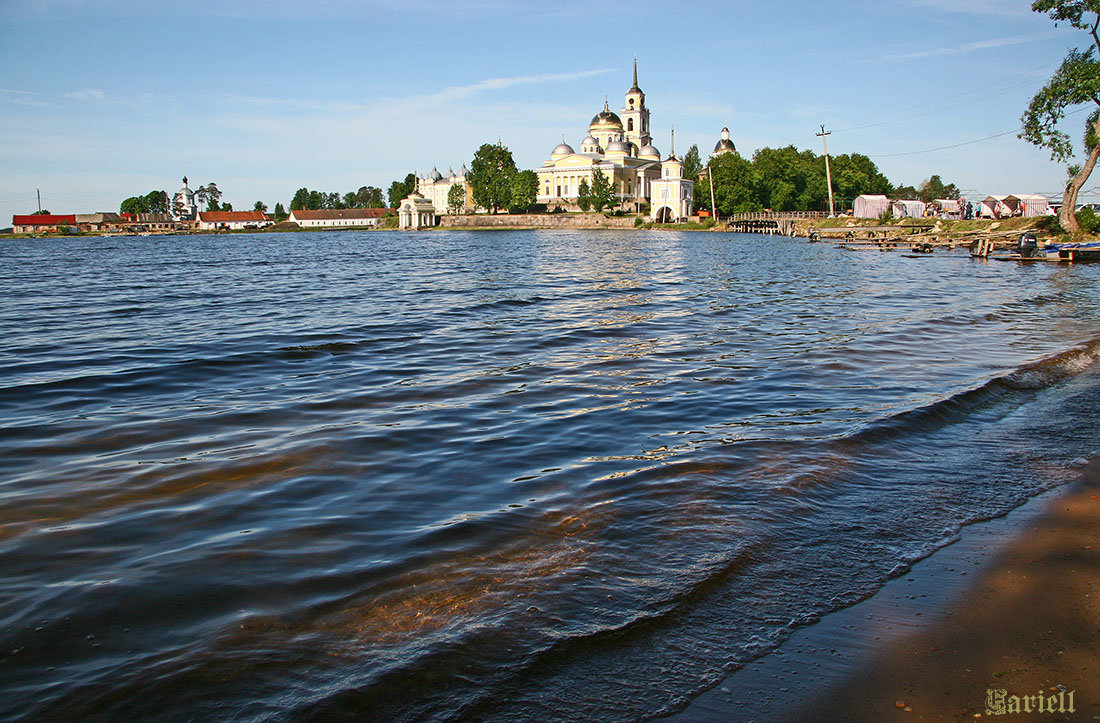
point(870, 206)
point(908, 209)
point(1030, 204)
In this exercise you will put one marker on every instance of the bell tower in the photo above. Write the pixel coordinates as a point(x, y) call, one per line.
point(635, 115)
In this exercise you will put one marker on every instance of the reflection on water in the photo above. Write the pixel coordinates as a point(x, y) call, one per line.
point(512, 475)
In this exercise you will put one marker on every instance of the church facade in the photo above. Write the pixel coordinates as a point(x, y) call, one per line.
point(620, 146)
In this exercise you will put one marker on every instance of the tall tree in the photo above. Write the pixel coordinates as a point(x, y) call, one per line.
point(692, 164)
point(602, 191)
point(584, 195)
point(1076, 82)
point(135, 205)
point(932, 188)
point(734, 189)
point(301, 198)
point(213, 195)
point(525, 190)
point(491, 174)
point(280, 212)
point(260, 206)
point(156, 202)
point(400, 189)
point(456, 199)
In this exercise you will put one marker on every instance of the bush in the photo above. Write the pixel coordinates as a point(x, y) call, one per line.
point(1088, 219)
point(638, 221)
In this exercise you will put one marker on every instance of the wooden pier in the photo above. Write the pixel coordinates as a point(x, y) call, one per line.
point(779, 223)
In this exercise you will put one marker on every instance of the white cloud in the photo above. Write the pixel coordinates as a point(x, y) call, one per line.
point(1003, 8)
point(965, 47)
point(88, 94)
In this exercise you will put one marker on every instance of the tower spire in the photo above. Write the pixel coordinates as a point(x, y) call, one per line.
point(672, 144)
point(635, 70)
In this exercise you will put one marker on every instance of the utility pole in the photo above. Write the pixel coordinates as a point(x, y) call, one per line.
point(39, 199)
point(828, 172)
point(713, 208)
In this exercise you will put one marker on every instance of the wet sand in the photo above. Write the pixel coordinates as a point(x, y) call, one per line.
point(1014, 606)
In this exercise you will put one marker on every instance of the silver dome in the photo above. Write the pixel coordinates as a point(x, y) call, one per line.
point(563, 149)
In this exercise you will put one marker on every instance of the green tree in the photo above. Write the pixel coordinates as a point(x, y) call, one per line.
point(525, 190)
point(602, 192)
point(213, 194)
point(260, 206)
point(1076, 82)
point(786, 179)
point(43, 212)
point(692, 164)
point(401, 189)
point(300, 199)
point(734, 190)
point(456, 199)
point(280, 212)
point(369, 197)
point(932, 188)
point(156, 202)
point(227, 206)
point(584, 195)
point(855, 174)
point(135, 205)
point(907, 193)
point(491, 174)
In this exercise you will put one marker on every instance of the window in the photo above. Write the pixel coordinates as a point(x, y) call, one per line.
point(630, 121)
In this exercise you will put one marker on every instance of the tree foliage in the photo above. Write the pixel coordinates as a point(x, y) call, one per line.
point(280, 212)
point(584, 195)
point(603, 194)
point(152, 202)
point(934, 187)
point(787, 179)
point(1076, 82)
point(456, 199)
point(525, 189)
point(365, 197)
point(492, 174)
point(692, 164)
point(260, 206)
point(401, 189)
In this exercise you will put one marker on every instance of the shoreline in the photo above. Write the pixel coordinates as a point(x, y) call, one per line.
point(1012, 606)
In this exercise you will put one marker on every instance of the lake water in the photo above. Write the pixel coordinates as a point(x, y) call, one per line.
point(504, 476)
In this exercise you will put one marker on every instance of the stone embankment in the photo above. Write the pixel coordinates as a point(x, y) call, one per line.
point(538, 220)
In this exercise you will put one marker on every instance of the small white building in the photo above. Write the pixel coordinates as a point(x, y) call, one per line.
point(671, 193)
point(339, 218)
point(183, 203)
point(232, 220)
point(415, 212)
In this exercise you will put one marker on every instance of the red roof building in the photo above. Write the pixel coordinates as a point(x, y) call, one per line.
point(231, 220)
point(339, 217)
point(41, 222)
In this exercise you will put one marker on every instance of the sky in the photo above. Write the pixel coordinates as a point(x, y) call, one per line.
point(106, 99)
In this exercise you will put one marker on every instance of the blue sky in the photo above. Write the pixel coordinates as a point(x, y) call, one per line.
point(112, 98)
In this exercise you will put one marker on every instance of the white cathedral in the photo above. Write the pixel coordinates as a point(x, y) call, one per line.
point(622, 149)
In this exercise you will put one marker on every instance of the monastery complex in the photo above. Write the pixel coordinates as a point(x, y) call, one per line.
point(620, 146)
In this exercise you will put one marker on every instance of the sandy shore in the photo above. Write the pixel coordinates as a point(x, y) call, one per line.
point(1014, 606)
point(1030, 626)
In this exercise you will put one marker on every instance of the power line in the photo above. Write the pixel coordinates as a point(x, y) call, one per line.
point(922, 106)
point(966, 143)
